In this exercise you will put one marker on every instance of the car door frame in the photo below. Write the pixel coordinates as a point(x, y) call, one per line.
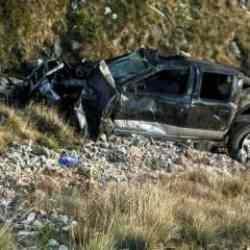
point(170, 131)
point(197, 133)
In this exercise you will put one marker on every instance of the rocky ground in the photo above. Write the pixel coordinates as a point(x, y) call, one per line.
point(24, 168)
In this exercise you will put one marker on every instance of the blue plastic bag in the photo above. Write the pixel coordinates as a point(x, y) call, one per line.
point(68, 160)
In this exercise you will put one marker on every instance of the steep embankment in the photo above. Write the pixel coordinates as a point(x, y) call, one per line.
point(217, 30)
point(126, 193)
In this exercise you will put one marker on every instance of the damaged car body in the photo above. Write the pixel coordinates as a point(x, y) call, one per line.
point(173, 98)
point(145, 92)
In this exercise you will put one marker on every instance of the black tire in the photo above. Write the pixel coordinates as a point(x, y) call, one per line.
point(236, 138)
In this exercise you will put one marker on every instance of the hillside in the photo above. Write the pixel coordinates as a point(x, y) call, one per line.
point(124, 193)
point(215, 30)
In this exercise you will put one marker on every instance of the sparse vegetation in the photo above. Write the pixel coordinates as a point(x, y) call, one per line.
point(7, 241)
point(193, 210)
point(205, 29)
point(28, 26)
point(37, 123)
point(189, 211)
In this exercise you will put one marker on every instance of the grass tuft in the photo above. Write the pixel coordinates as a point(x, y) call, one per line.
point(158, 216)
point(7, 241)
point(36, 123)
point(50, 123)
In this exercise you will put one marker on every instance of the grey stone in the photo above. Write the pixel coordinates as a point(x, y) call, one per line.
point(27, 238)
point(114, 16)
point(53, 243)
point(75, 45)
point(63, 218)
point(103, 138)
point(236, 49)
point(38, 224)
point(26, 234)
point(63, 247)
point(31, 248)
point(31, 217)
point(107, 10)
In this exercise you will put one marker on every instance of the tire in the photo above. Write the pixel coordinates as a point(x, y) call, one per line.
point(237, 146)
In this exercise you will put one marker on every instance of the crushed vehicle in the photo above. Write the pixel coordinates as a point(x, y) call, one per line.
point(166, 97)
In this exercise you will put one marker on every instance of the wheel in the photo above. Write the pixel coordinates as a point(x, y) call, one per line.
point(239, 144)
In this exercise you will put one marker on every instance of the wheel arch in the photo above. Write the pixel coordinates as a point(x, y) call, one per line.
point(243, 115)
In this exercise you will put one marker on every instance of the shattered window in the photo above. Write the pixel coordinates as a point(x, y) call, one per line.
point(168, 82)
point(216, 86)
point(128, 67)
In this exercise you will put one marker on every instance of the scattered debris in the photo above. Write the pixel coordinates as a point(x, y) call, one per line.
point(66, 160)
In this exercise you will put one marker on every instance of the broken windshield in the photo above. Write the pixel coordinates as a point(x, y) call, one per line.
point(128, 67)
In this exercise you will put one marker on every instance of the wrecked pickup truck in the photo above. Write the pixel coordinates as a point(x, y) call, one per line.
point(144, 92)
point(174, 98)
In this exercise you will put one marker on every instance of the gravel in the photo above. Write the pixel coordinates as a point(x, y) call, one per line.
point(29, 167)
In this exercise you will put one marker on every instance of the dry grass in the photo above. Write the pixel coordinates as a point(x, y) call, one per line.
point(195, 210)
point(37, 123)
point(7, 241)
point(205, 28)
point(13, 127)
point(52, 126)
point(30, 26)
